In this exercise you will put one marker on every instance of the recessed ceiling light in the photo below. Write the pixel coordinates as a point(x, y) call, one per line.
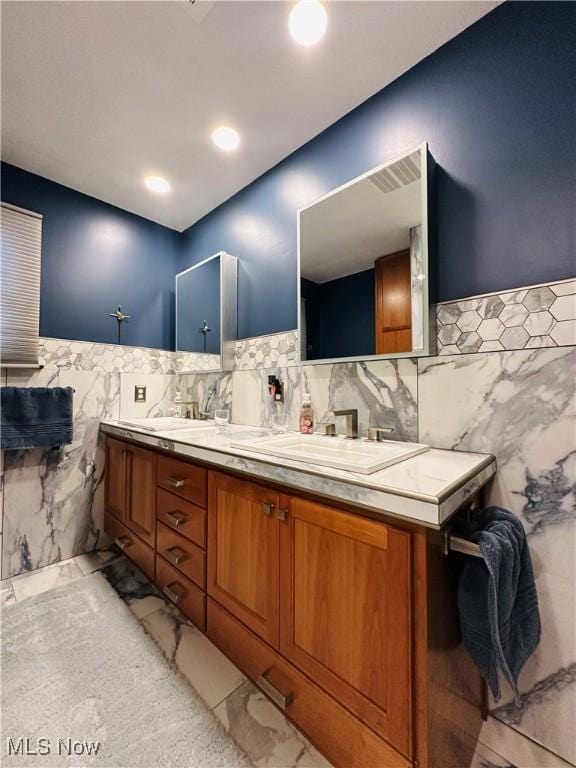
point(157, 184)
point(226, 138)
point(308, 21)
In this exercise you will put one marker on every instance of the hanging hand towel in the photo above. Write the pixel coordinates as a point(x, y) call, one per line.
point(35, 417)
point(497, 600)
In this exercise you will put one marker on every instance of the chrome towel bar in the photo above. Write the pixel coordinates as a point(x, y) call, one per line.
point(458, 544)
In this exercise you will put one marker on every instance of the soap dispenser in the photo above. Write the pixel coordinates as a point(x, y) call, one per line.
point(307, 415)
point(178, 407)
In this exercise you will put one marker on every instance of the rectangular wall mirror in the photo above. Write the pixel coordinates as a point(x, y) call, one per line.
point(206, 315)
point(363, 266)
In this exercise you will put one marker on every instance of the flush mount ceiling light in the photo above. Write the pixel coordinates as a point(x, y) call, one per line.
point(226, 138)
point(157, 184)
point(308, 21)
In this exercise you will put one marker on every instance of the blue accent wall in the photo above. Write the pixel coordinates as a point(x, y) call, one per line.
point(94, 257)
point(496, 105)
point(199, 302)
point(340, 316)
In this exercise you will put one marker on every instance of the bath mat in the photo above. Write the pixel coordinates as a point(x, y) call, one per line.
point(83, 685)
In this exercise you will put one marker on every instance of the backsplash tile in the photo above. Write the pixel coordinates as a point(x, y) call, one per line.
point(160, 393)
point(384, 392)
point(542, 316)
point(251, 403)
point(210, 390)
point(276, 350)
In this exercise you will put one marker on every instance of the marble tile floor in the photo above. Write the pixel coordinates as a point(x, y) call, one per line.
point(259, 729)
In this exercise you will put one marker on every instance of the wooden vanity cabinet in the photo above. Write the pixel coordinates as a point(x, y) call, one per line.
point(347, 623)
point(130, 488)
point(115, 483)
point(345, 612)
point(243, 552)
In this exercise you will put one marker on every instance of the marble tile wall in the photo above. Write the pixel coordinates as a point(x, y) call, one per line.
point(52, 500)
point(520, 406)
point(540, 316)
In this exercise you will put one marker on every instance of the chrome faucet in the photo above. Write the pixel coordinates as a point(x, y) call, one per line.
point(378, 433)
point(351, 421)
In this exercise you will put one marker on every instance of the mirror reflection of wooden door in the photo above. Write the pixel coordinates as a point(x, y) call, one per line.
point(393, 303)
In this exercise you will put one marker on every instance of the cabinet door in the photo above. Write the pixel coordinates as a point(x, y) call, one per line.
point(115, 486)
point(345, 616)
point(243, 550)
point(141, 501)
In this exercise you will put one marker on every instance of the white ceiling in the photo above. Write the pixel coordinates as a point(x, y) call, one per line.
point(347, 231)
point(95, 95)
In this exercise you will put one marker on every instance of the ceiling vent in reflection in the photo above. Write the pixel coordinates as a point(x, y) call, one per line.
point(398, 174)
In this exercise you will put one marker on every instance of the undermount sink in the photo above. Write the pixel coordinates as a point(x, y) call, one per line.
point(359, 456)
point(166, 423)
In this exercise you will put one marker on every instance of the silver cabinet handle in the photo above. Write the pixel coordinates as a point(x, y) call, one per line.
point(174, 592)
point(282, 513)
point(175, 555)
point(175, 482)
point(123, 542)
point(281, 700)
point(176, 519)
point(267, 508)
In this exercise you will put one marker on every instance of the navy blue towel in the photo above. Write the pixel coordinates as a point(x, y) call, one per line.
point(497, 600)
point(35, 416)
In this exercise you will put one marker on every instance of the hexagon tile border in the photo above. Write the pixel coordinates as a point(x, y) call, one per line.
point(525, 318)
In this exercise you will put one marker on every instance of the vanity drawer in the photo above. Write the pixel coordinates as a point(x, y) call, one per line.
point(182, 592)
point(182, 554)
point(185, 480)
point(182, 516)
point(133, 547)
point(341, 737)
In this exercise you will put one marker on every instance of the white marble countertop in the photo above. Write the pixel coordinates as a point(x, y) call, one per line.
point(425, 489)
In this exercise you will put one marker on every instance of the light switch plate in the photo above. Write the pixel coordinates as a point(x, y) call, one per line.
point(139, 393)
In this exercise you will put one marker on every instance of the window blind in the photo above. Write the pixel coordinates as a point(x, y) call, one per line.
point(20, 252)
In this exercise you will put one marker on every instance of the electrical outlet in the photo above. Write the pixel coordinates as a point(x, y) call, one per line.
point(139, 393)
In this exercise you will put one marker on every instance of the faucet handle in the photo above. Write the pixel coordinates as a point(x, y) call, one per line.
point(327, 428)
point(377, 433)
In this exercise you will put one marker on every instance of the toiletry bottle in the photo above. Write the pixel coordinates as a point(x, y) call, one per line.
point(178, 408)
point(307, 415)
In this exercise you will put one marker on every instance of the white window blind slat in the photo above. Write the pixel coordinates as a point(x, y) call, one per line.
point(20, 255)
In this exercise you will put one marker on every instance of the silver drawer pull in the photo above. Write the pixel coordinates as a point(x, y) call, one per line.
point(175, 555)
point(176, 519)
point(267, 508)
point(175, 482)
point(174, 592)
point(281, 700)
point(123, 542)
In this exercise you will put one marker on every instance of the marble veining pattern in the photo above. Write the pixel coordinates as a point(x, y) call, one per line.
point(540, 316)
point(160, 393)
point(520, 405)
point(54, 499)
point(384, 392)
point(276, 350)
point(253, 405)
point(210, 390)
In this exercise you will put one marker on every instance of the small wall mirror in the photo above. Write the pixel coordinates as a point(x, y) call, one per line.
point(363, 263)
point(206, 315)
